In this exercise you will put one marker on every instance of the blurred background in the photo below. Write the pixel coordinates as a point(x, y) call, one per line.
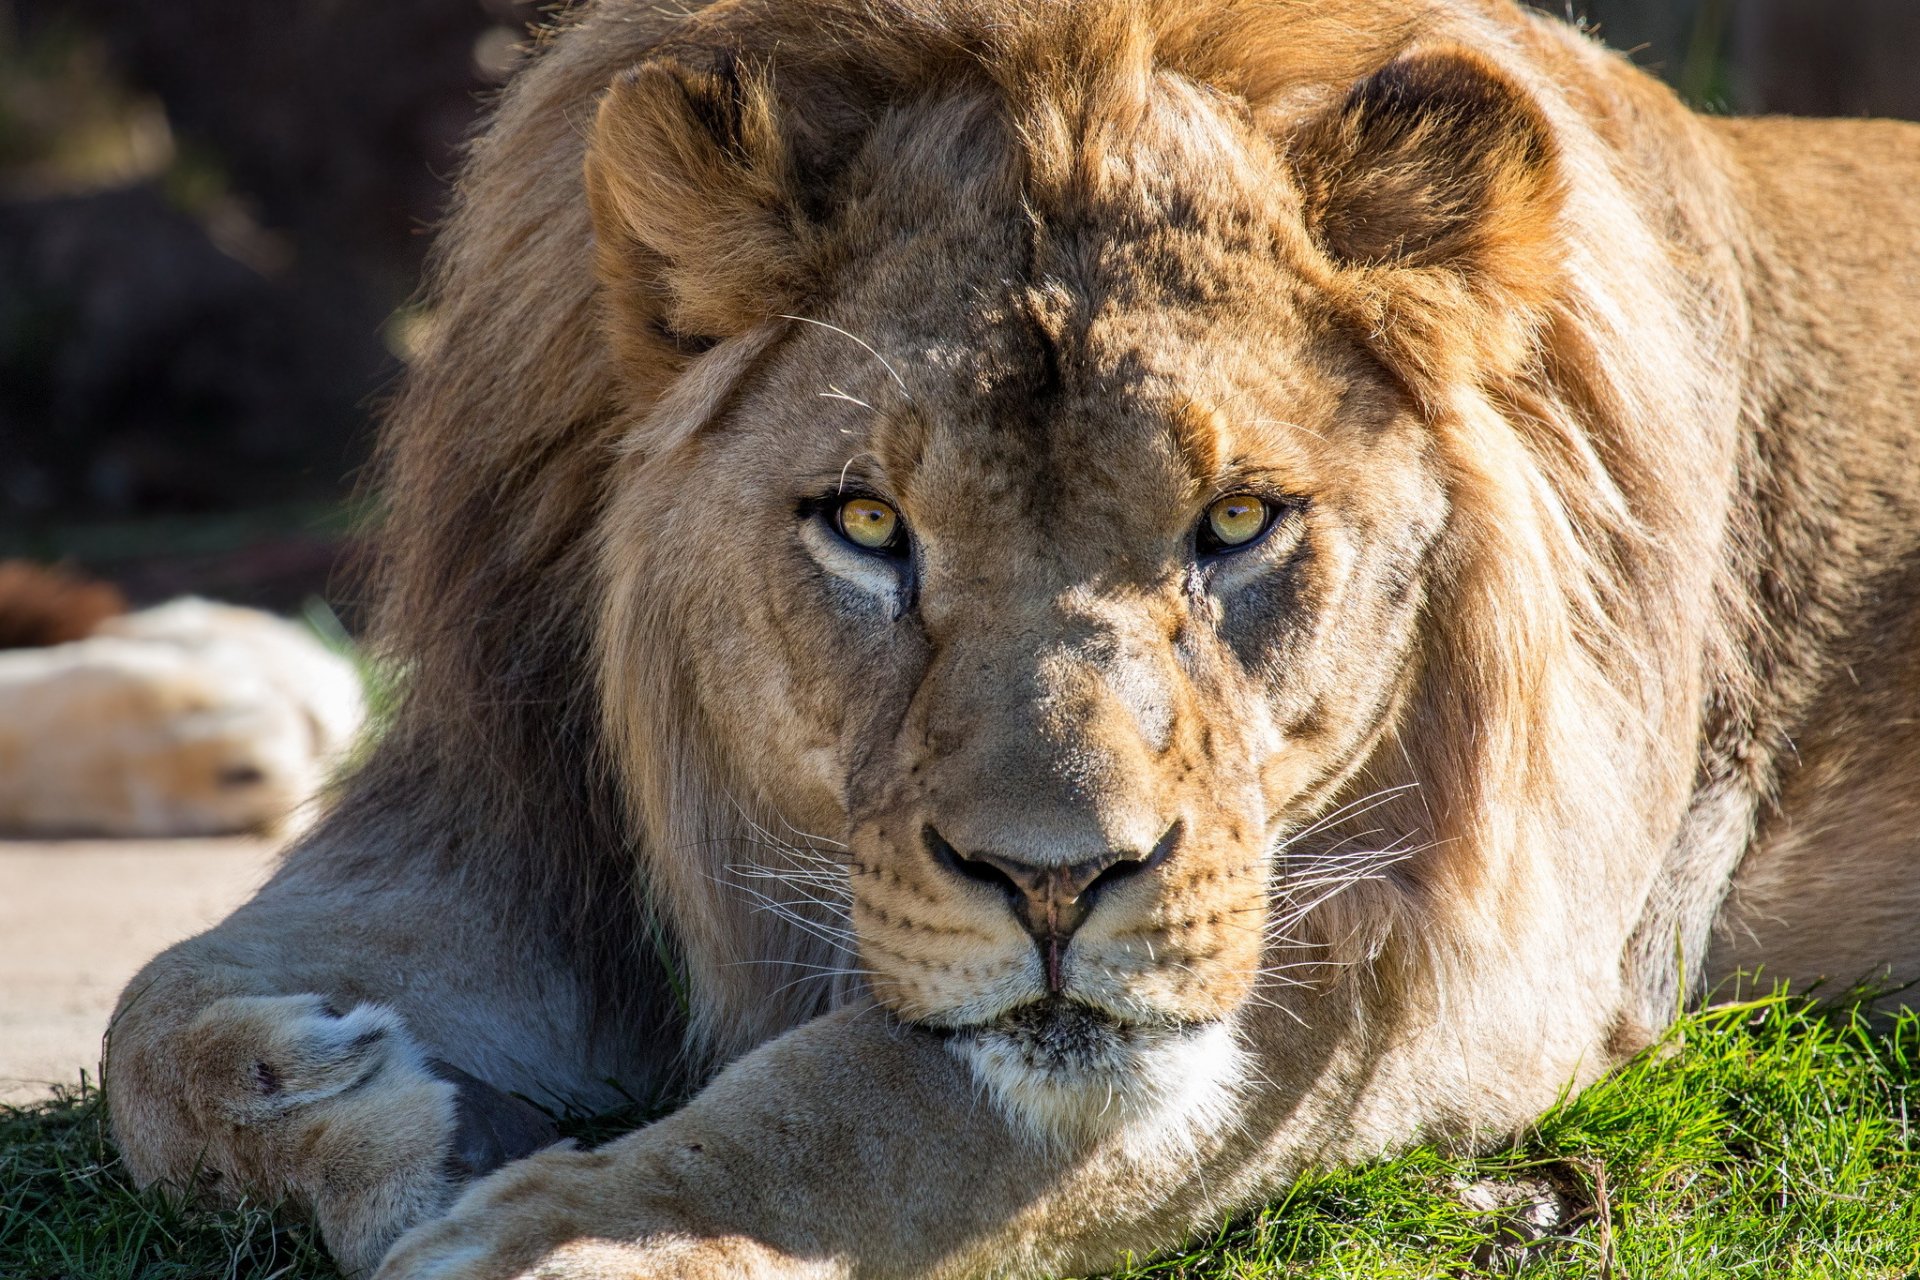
point(213, 215)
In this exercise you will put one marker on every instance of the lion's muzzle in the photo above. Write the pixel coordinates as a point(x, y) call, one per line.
point(1051, 900)
point(1058, 818)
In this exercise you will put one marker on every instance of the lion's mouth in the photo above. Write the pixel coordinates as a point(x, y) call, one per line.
point(1065, 1037)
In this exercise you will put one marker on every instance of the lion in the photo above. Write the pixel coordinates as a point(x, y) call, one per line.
point(1057, 612)
point(188, 718)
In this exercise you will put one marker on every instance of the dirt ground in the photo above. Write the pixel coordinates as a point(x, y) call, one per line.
point(78, 918)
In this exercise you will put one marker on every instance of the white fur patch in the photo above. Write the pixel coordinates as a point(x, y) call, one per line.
point(866, 573)
point(1154, 1090)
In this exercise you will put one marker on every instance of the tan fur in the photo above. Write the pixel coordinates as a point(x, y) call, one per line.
point(190, 718)
point(1590, 424)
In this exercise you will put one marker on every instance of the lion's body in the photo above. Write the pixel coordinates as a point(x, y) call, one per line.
point(1826, 888)
point(1595, 593)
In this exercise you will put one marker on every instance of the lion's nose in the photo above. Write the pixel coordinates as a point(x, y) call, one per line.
point(1052, 900)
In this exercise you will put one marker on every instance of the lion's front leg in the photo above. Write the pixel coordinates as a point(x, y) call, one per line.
point(350, 1050)
point(849, 1147)
point(852, 1148)
point(342, 1112)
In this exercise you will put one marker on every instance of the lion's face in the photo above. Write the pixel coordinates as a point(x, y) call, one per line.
point(1056, 558)
point(1056, 572)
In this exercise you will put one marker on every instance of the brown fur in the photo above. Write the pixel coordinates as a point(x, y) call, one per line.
point(41, 606)
point(1590, 426)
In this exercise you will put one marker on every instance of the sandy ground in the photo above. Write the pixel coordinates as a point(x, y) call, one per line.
point(78, 918)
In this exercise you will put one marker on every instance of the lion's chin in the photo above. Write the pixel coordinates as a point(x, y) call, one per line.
point(1065, 1072)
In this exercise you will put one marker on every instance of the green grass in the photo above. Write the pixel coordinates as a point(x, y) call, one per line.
point(1764, 1138)
point(1767, 1138)
point(68, 1212)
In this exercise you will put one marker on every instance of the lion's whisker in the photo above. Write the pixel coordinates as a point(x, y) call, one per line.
point(839, 939)
point(798, 964)
point(1352, 809)
point(815, 879)
point(1291, 911)
point(811, 838)
point(869, 347)
point(759, 829)
point(834, 393)
point(1265, 1001)
point(839, 910)
point(812, 977)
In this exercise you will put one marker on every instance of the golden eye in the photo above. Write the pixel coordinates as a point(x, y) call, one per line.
point(869, 523)
point(1235, 520)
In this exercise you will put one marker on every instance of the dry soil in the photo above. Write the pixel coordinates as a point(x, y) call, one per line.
point(78, 918)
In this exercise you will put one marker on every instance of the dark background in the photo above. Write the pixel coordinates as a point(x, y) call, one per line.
point(213, 214)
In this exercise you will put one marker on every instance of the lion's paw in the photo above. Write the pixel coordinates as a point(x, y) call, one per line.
point(281, 1054)
point(362, 1125)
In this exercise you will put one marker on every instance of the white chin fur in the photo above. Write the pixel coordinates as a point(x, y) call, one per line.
point(1153, 1089)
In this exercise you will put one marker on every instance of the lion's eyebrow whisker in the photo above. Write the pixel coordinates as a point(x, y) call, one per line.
point(834, 393)
point(1287, 423)
point(868, 346)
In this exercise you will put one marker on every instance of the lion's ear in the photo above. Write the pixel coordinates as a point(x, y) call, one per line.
point(693, 200)
point(1437, 185)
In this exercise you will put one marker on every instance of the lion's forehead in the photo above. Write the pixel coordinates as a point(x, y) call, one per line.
point(1058, 382)
point(1157, 262)
point(1121, 309)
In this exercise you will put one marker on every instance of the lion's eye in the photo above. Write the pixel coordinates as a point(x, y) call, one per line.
point(1233, 522)
point(869, 523)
